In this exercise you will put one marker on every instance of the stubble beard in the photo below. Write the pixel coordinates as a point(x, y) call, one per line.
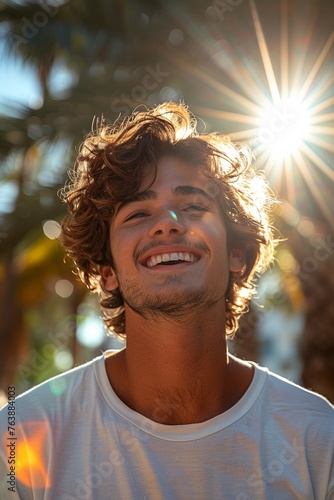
point(176, 303)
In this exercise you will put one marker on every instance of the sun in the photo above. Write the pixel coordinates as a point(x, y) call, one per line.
point(283, 110)
point(284, 130)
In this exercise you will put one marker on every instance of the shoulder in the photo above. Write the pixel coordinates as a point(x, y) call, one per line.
point(55, 394)
point(293, 394)
point(299, 422)
point(289, 404)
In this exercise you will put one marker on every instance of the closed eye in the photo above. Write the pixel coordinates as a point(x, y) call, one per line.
point(137, 215)
point(200, 208)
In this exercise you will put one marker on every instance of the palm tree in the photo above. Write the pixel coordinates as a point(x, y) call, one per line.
point(105, 52)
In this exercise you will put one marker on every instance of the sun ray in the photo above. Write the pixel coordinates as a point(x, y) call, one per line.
point(327, 146)
point(241, 74)
point(248, 137)
point(264, 162)
point(284, 50)
point(310, 182)
point(322, 118)
point(275, 175)
point(316, 94)
point(315, 69)
point(321, 130)
point(318, 162)
point(225, 115)
point(234, 67)
point(299, 62)
point(289, 179)
point(243, 78)
point(284, 111)
point(222, 89)
point(323, 104)
point(265, 55)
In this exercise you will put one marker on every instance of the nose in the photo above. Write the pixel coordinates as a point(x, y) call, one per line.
point(167, 222)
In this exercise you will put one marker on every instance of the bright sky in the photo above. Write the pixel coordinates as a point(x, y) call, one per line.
point(18, 82)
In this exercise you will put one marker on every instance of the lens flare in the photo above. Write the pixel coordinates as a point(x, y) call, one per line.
point(173, 214)
point(31, 442)
point(281, 103)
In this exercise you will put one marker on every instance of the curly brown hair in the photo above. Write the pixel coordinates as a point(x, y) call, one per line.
point(110, 168)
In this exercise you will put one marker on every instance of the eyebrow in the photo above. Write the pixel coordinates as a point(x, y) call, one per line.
point(142, 196)
point(152, 195)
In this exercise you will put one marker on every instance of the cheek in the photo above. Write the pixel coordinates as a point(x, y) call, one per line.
point(217, 236)
point(123, 244)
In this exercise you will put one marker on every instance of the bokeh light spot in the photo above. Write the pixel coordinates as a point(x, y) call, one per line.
point(306, 227)
point(64, 288)
point(286, 261)
point(176, 37)
point(90, 332)
point(63, 360)
point(57, 386)
point(35, 101)
point(51, 229)
point(290, 214)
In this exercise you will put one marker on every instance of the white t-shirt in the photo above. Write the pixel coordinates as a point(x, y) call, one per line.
point(76, 440)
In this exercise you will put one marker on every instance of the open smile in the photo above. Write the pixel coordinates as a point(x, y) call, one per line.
point(170, 259)
point(161, 256)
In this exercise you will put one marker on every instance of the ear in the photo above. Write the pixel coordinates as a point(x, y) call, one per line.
point(109, 278)
point(237, 259)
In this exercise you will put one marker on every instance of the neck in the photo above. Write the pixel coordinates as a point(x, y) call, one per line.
point(177, 373)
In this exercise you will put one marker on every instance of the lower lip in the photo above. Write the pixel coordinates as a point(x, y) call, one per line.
point(170, 268)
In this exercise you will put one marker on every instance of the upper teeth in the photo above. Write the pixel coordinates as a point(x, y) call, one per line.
point(167, 257)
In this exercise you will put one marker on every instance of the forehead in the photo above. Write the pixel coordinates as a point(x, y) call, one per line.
point(173, 171)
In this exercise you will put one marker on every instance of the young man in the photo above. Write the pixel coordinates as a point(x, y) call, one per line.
point(170, 227)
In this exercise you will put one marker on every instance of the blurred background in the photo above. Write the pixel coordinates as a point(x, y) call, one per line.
point(261, 71)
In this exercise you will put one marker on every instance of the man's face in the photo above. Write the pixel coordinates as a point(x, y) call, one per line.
point(168, 244)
